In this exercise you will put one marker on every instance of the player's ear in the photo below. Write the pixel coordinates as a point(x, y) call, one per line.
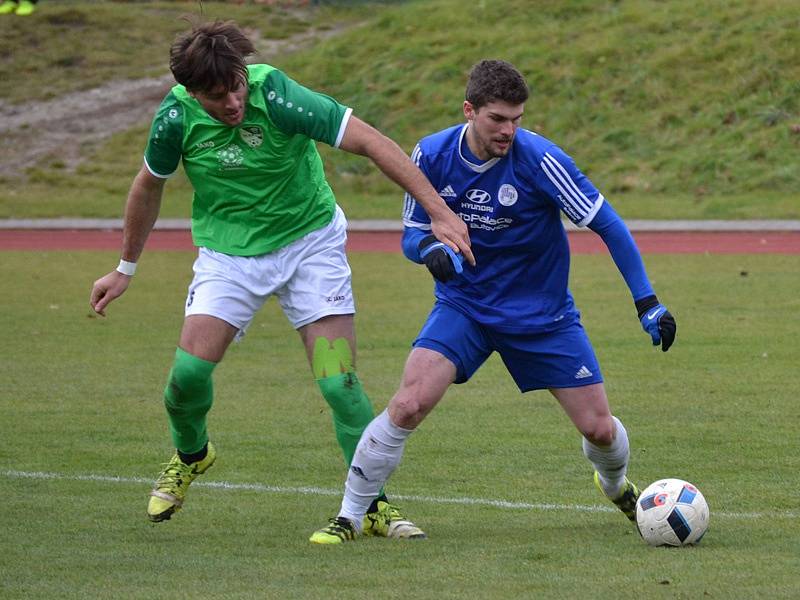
point(469, 110)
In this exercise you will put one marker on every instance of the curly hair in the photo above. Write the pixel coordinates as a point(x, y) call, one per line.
point(493, 80)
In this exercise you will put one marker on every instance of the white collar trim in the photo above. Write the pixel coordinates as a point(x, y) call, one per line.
point(477, 168)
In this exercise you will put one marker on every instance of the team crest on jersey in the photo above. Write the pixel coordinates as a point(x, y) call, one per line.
point(253, 136)
point(230, 156)
point(507, 194)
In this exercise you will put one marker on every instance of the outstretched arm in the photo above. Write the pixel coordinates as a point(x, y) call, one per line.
point(361, 138)
point(141, 212)
point(656, 320)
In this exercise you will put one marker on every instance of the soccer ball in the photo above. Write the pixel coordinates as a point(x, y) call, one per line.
point(671, 512)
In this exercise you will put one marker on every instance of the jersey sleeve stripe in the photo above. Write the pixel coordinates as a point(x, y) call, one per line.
point(409, 202)
point(417, 225)
point(416, 155)
point(408, 206)
point(342, 127)
point(558, 175)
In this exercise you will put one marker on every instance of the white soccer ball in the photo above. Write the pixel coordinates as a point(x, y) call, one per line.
point(671, 512)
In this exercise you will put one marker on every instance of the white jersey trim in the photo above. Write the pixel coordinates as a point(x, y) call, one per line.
point(595, 208)
point(343, 126)
point(482, 168)
point(409, 202)
point(416, 224)
point(154, 174)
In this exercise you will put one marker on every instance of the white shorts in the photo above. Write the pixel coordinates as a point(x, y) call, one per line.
point(310, 277)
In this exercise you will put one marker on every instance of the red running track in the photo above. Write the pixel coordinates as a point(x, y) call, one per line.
point(666, 242)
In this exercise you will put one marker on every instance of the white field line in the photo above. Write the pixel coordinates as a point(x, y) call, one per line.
point(317, 491)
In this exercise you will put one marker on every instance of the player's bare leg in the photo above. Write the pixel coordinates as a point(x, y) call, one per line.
point(605, 443)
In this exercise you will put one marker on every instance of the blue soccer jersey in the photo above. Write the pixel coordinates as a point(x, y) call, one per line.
point(512, 206)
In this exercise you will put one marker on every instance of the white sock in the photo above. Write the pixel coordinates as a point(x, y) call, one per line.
point(610, 462)
point(377, 455)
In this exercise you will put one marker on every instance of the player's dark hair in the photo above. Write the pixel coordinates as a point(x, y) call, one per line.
point(493, 80)
point(211, 55)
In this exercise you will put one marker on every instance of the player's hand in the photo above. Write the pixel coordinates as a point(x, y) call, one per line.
point(657, 322)
point(450, 229)
point(441, 260)
point(106, 289)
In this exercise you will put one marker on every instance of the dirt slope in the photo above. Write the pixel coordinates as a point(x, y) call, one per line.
point(37, 133)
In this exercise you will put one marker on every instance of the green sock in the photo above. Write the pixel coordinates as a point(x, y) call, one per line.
point(188, 398)
point(352, 410)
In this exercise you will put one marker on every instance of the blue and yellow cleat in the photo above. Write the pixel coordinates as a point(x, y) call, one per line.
point(169, 490)
point(626, 500)
point(389, 522)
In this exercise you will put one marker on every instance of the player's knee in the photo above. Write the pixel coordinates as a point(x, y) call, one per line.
point(189, 386)
point(407, 410)
point(599, 431)
point(347, 399)
point(417, 397)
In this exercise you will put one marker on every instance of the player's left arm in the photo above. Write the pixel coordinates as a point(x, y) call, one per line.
point(447, 227)
point(579, 199)
point(656, 320)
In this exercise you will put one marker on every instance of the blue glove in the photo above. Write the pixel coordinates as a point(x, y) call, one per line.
point(442, 262)
point(657, 322)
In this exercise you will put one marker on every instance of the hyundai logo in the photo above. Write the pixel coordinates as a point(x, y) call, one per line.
point(478, 196)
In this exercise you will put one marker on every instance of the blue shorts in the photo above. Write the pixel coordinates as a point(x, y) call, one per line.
point(557, 359)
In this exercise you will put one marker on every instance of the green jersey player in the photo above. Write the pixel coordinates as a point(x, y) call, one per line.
point(266, 223)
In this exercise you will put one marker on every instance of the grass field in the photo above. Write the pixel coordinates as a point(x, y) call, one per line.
point(676, 110)
point(83, 433)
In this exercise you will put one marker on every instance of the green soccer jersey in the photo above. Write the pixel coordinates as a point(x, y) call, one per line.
point(260, 185)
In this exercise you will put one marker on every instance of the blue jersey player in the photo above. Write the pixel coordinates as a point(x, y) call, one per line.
point(511, 186)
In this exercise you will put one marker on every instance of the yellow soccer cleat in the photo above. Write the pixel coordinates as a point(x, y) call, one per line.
point(389, 522)
point(338, 531)
point(8, 7)
point(170, 487)
point(25, 8)
point(626, 500)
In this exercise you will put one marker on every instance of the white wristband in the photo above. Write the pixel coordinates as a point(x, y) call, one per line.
point(127, 268)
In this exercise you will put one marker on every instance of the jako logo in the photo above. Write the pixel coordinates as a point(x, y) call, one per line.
point(478, 196)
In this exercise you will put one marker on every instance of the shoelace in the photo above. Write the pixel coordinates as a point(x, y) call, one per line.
point(394, 512)
point(340, 529)
point(171, 475)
